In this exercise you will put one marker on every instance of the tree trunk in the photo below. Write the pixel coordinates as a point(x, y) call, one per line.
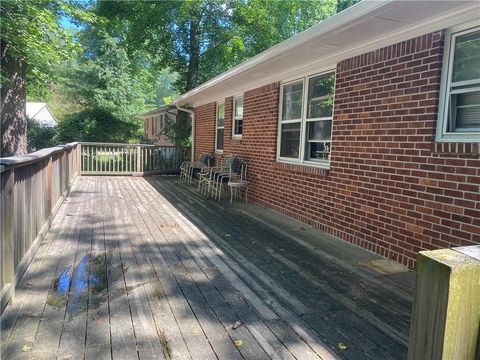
point(13, 106)
point(194, 53)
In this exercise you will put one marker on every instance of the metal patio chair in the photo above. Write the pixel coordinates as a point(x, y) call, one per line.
point(236, 183)
point(236, 172)
point(189, 169)
point(209, 180)
point(185, 167)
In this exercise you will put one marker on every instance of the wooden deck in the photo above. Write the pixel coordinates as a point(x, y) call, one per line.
point(146, 268)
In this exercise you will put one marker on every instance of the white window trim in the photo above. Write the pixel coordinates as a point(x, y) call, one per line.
point(324, 164)
point(234, 119)
point(219, 151)
point(290, 121)
point(442, 119)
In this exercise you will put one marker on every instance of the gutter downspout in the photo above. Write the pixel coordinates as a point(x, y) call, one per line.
point(192, 113)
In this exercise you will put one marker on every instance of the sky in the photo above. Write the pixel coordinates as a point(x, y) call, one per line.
point(67, 24)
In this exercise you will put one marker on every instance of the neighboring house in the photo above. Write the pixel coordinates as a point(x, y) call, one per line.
point(41, 114)
point(366, 126)
point(154, 124)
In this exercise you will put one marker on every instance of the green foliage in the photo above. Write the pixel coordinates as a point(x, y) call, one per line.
point(174, 33)
point(31, 31)
point(106, 77)
point(98, 125)
point(39, 137)
point(102, 76)
point(199, 39)
point(128, 57)
point(264, 23)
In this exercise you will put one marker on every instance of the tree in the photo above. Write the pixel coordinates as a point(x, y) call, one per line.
point(199, 39)
point(96, 124)
point(103, 79)
point(264, 23)
point(177, 34)
point(31, 43)
point(39, 136)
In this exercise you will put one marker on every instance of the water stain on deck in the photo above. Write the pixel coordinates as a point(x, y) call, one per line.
point(86, 286)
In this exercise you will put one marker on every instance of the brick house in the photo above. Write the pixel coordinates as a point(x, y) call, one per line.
point(154, 123)
point(366, 126)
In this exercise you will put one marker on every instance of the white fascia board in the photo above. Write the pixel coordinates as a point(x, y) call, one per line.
point(333, 22)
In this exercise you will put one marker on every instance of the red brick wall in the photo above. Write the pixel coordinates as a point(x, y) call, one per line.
point(205, 129)
point(390, 188)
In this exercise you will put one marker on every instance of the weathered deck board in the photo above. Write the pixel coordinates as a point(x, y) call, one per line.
point(341, 286)
point(152, 270)
point(161, 220)
point(226, 272)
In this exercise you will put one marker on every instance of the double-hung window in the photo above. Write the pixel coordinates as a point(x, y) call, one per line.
point(237, 127)
point(459, 110)
point(219, 126)
point(305, 124)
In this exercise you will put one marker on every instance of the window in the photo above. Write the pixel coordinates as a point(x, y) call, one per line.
point(220, 123)
point(162, 122)
point(305, 124)
point(291, 119)
point(459, 110)
point(237, 117)
point(154, 126)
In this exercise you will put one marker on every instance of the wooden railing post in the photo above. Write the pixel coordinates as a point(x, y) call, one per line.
point(7, 240)
point(139, 158)
point(49, 194)
point(79, 159)
point(446, 309)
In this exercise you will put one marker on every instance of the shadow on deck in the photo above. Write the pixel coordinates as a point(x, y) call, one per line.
point(148, 268)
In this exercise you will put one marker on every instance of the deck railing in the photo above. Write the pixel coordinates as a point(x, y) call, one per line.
point(32, 188)
point(124, 159)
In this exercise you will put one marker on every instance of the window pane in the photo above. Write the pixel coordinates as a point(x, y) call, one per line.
point(219, 139)
point(320, 95)
point(319, 130)
point(238, 127)
point(467, 57)
point(290, 140)
point(220, 122)
point(465, 112)
point(292, 101)
point(238, 108)
point(318, 151)
point(221, 110)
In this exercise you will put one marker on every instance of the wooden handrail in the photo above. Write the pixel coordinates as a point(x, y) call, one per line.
point(99, 158)
point(22, 160)
point(123, 144)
